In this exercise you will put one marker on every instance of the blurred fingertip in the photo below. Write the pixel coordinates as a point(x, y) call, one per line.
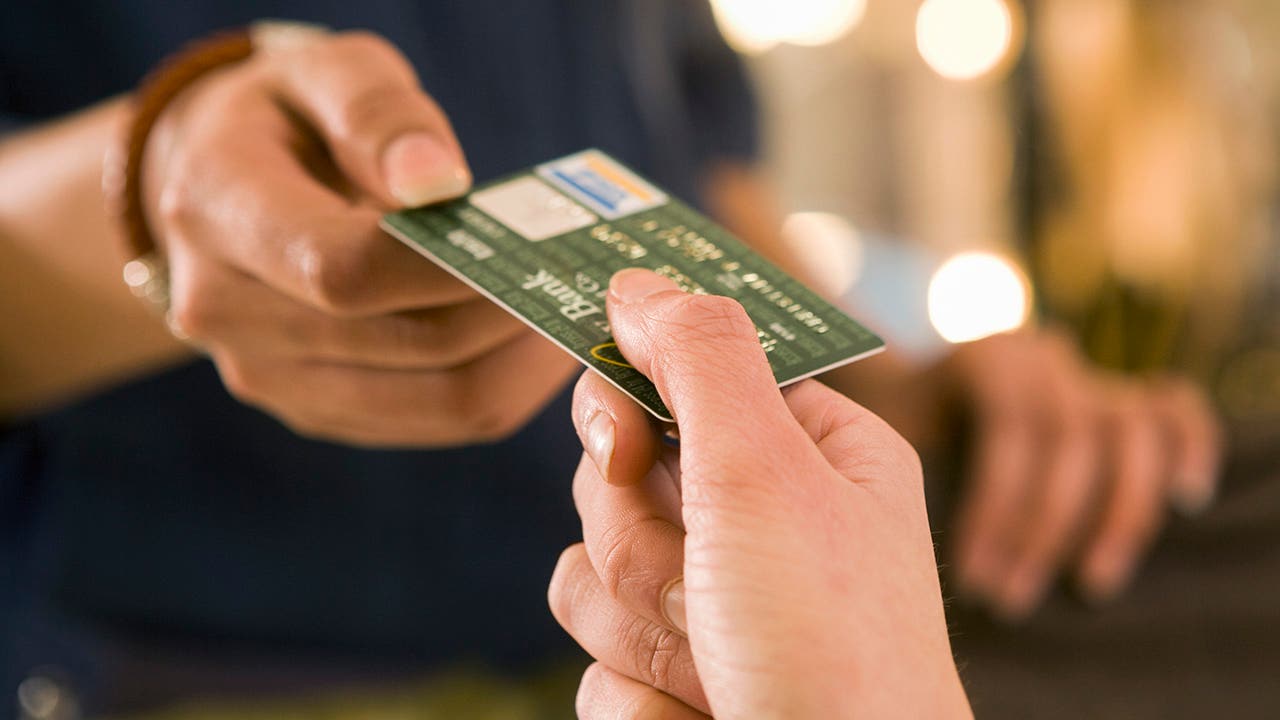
point(420, 170)
point(1104, 580)
point(975, 572)
point(1011, 614)
point(1020, 597)
point(1194, 498)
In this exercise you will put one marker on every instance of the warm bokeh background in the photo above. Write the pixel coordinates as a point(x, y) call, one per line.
point(1118, 156)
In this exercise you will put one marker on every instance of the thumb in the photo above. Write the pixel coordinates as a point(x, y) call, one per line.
point(703, 354)
point(386, 135)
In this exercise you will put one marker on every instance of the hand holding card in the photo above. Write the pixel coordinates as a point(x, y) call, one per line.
point(544, 243)
point(267, 181)
point(779, 564)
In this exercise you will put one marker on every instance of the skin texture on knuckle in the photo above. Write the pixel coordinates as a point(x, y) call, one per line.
point(337, 281)
point(834, 412)
point(657, 651)
point(707, 319)
point(867, 449)
point(698, 337)
point(623, 571)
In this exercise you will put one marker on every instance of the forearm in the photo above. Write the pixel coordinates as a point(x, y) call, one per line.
point(69, 325)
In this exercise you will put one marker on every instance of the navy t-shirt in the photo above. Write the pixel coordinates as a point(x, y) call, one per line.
point(166, 509)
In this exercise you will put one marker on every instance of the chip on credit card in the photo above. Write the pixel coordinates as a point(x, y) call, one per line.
point(544, 243)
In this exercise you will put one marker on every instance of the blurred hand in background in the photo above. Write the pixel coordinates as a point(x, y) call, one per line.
point(1071, 470)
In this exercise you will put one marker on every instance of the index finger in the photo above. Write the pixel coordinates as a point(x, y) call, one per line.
point(703, 354)
point(245, 198)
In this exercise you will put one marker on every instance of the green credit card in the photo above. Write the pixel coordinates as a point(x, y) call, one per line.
point(544, 243)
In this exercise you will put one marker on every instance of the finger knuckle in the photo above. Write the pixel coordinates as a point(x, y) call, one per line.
point(194, 310)
point(431, 335)
point(621, 570)
point(694, 324)
point(240, 379)
point(479, 420)
point(337, 281)
point(656, 651)
point(617, 561)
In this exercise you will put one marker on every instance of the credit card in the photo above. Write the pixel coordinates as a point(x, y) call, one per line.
point(544, 243)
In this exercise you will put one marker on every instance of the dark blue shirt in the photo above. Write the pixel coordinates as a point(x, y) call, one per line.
point(165, 510)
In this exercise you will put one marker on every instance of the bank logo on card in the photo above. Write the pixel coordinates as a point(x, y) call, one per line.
point(602, 184)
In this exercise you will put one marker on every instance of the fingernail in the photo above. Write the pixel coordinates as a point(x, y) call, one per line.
point(1192, 498)
point(419, 170)
point(673, 606)
point(634, 284)
point(600, 440)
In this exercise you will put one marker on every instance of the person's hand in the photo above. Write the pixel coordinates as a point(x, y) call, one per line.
point(779, 564)
point(265, 183)
point(1072, 471)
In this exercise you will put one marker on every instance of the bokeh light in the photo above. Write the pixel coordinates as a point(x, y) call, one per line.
point(964, 39)
point(828, 249)
point(754, 26)
point(976, 295)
